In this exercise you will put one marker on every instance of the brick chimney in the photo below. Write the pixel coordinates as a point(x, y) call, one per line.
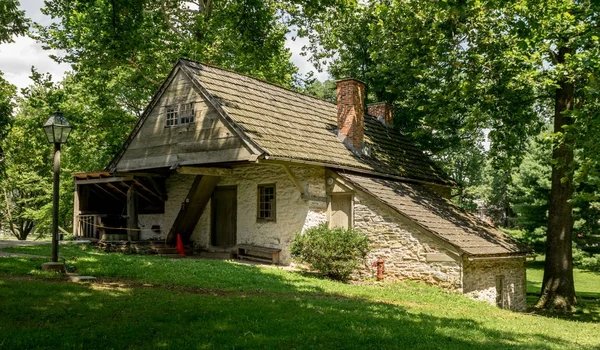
point(383, 111)
point(351, 111)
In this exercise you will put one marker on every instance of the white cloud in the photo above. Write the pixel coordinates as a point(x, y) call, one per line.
point(304, 66)
point(16, 59)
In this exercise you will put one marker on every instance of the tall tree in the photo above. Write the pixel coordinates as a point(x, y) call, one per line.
point(12, 20)
point(455, 68)
point(137, 42)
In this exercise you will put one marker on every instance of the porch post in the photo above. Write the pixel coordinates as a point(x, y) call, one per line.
point(132, 214)
point(76, 211)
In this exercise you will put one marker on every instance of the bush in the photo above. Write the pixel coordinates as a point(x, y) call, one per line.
point(335, 252)
point(584, 260)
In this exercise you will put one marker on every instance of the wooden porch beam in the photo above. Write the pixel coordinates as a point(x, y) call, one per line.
point(138, 183)
point(116, 189)
point(141, 195)
point(293, 178)
point(190, 170)
point(107, 191)
point(76, 208)
point(104, 180)
point(193, 207)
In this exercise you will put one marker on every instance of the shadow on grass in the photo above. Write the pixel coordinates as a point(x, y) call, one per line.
point(62, 315)
point(225, 305)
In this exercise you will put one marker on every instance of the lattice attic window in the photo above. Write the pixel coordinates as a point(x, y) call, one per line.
point(172, 116)
point(186, 112)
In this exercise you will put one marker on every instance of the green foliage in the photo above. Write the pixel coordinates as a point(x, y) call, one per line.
point(136, 43)
point(26, 187)
point(7, 94)
point(529, 193)
point(325, 90)
point(334, 252)
point(99, 130)
point(585, 260)
point(12, 20)
point(529, 197)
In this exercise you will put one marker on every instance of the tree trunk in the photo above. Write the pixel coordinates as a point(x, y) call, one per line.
point(558, 289)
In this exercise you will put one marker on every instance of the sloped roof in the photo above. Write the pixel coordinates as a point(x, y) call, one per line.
point(438, 216)
point(289, 125)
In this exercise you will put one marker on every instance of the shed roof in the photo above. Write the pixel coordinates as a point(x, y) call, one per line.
point(288, 125)
point(439, 216)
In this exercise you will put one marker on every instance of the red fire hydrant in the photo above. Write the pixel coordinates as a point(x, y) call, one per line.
point(380, 269)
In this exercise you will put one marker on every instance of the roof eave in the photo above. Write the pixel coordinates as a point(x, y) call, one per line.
point(268, 157)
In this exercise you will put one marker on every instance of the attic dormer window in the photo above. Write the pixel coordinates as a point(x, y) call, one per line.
point(186, 112)
point(172, 116)
point(180, 115)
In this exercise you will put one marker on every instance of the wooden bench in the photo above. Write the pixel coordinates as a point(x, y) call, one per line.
point(259, 254)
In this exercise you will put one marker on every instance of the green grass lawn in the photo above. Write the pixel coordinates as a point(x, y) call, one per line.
point(155, 302)
point(587, 287)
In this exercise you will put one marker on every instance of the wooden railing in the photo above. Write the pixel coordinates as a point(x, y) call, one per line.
point(88, 226)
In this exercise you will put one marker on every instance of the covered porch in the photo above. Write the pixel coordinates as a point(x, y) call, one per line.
point(106, 206)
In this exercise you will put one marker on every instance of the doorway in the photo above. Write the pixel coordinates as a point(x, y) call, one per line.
point(224, 217)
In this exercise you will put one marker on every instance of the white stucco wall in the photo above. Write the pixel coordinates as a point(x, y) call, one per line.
point(293, 213)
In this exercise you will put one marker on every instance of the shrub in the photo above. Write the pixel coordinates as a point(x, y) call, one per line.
point(335, 252)
point(584, 260)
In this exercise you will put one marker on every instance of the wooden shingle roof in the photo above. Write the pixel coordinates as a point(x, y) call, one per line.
point(293, 126)
point(438, 216)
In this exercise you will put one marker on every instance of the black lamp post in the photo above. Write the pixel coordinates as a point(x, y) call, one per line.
point(57, 129)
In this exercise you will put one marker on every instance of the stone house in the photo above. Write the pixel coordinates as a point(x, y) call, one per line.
point(237, 166)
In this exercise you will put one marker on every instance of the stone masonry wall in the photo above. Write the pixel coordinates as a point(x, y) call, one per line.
point(483, 278)
point(407, 252)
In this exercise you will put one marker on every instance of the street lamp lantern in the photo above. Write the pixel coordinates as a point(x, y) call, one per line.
point(57, 130)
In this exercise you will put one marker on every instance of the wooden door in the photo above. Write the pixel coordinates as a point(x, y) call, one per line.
point(340, 214)
point(224, 217)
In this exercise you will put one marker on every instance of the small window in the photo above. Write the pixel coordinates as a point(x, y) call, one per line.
point(266, 202)
point(186, 112)
point(172, 116)
point(180, 115)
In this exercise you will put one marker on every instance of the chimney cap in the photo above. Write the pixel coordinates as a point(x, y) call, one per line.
point(348, 79)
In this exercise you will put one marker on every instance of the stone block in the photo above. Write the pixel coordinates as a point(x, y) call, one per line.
point(54, 267)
